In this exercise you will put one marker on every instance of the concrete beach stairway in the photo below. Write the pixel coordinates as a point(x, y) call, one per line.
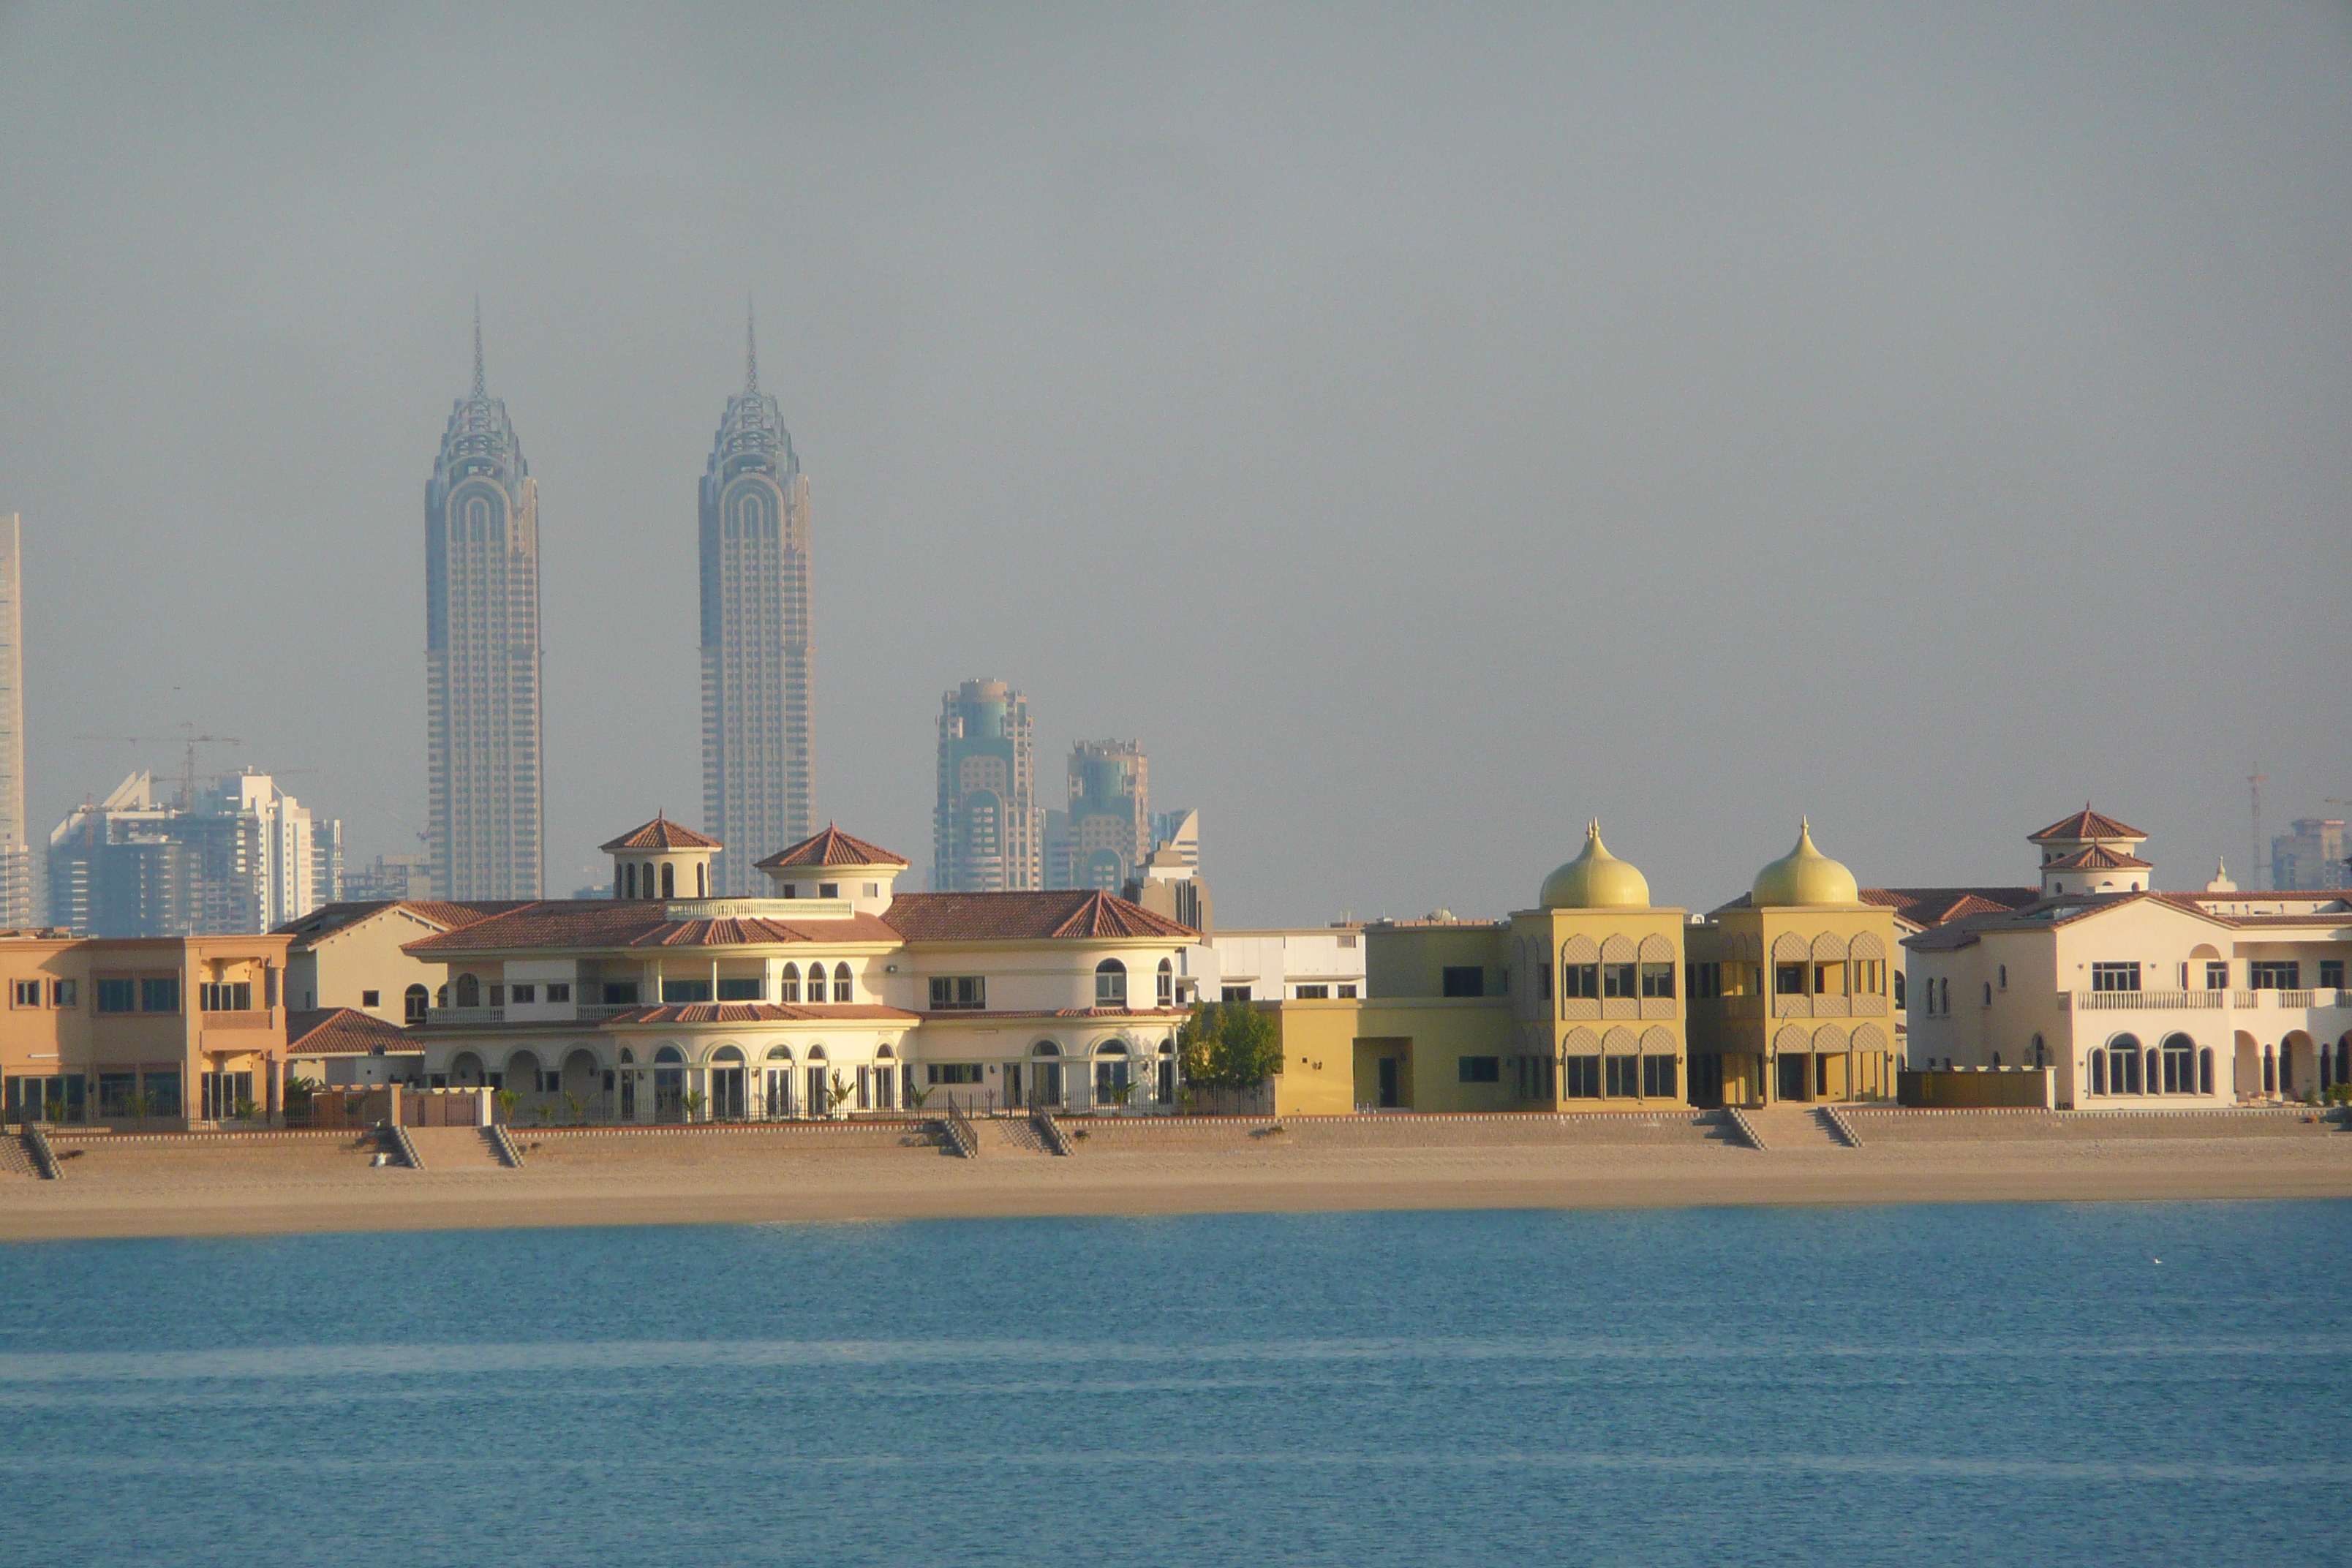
point(1794, 1127)
point(1015, 1135)
point(456, 1149)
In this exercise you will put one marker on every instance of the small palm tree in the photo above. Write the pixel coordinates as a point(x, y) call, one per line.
point(507, 1100)
point(575, 1105)
point(694, 1102)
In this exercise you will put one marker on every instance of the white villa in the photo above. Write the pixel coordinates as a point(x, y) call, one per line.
point(833, 993)
point(2139, 998)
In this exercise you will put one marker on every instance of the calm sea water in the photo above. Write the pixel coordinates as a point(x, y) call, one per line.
point(1892, 1385)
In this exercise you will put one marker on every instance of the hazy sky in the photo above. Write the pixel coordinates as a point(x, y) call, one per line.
point(1422, 428)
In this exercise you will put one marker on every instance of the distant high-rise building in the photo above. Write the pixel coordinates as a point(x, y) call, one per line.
point(2310, 857)
point(242, 857)
point(392, 877)
point(1110, 831)
point(984, 832)
point(15, 846)
point(757, 771)
point(486, 825)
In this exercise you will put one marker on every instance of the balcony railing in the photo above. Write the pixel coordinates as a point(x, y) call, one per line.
point(247, 1018)
point(2175, 1001)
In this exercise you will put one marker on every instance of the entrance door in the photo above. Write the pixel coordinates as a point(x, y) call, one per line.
point(1049, 1083)
point(1388, 1083)
point(727, 1094)
point(817, 1103)
point(669, 1094)
point(1793, 1072)
point(1013, 1101)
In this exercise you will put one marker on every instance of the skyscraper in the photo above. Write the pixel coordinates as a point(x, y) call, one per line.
point(238, 856)
point(985, 829)
point(485, 827)
point(1110, 831)
point(757, 774)
point(15, 850)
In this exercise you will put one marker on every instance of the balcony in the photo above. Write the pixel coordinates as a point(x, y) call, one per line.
point(2194, 1001)
point(247, 1018)
point(464, 1018)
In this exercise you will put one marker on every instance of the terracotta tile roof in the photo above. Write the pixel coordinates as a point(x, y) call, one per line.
point(1064, 915)
point(2085, 824)
point(2098, 858)
point(446, 913)
point(342, 1032)
point(1935, 906)
point(760, 1013)
point(833, 847)
point(950, 1016)
point(611, 923)
point(2044, 913)
point(661, 833)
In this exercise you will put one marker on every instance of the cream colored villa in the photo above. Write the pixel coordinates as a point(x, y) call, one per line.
point(833, 994)
point(2139, 999)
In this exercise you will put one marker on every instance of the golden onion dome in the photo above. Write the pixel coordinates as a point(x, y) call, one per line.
point(1596, 880)
point(1805, 875)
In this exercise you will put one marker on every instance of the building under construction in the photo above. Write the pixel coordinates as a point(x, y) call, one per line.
point(238, 856)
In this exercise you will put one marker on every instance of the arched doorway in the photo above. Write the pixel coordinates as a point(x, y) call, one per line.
point(2124, 1066)
point(779, 1080)
point(886, 1079)
point(669, 1084)
point(465, 1071)
point(2177, 1065)
point(470, 991)
point(1167, 1070)
point(1112, 1081)
point(1045, 1061)
point(413, 1005)
point(583, 1083)
point(727, 1100)
point(2298, 1065)
point(820, 1096)
point(523, 1080)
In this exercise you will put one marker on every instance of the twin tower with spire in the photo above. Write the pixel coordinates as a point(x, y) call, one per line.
point(486, 829)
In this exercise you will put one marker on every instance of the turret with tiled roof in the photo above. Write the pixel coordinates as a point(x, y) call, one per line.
point(2091, 852)
point(661, 859)
point(830, 850)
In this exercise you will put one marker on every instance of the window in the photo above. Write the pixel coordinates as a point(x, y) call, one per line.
point(959, 993)
point(160, 994)
point(1870, 977)
point(1789, 979)
point(1347, 993)
point(669, 881)
point(1583, 1077)
point(27, 993)
point(2331, 973)
point(620, 992)
point(1479, 1070)
point(218, 996)
point(828, 890)
point(1987, 993)
point(1111, 984)
point(873, 890)
point(685, 990)
point(1705, 979)
point(2216, 974)
point(1463, 980)
point(413, 1003)
point(371, 999)
point(1620, 980)
point(226, 1095)
point(790, 987)
point(2115, 977)
point(559, 991)
point(1347, 939)
point(1899, 998)
point(1580, 980)
point(1167, 991)
point(741, 989)
point(470, 991)
point(1657, 980)
point(951, 1072)
point(1543, 984)
point(2179, 1054)
point(2004, 976)
point(841, 983)
point(1624, 1076)
point(64, 993)
point(1233, 994)
point(499, 995)
point(1313, 992)
point(521, 995)
point(2274, 974)
point(1658, 1078)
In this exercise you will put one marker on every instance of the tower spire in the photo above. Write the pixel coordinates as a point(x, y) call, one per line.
point(479, 388)
point(750, 351)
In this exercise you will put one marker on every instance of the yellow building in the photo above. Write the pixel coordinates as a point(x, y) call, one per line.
point(1789, 990)
point(160, 1031)
point(1573, 1004)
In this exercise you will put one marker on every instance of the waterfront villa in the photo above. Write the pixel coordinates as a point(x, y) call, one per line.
point(2138, 998)
point(835, 993)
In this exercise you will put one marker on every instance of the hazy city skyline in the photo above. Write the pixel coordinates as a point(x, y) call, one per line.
point(1925, 419)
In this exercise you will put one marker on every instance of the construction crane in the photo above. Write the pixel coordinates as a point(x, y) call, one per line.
point(189, 739)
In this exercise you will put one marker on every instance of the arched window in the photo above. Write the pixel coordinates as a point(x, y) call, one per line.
point(701, 881)
point(2098, 1073)
point(627, 1056)
point(2205, 1070)
point(791, 990)
point(2270, 1071)
point(841, 983)
point(1167, 983)
point(2178, 1071)
point(1044, 1048)
point(780, 1053)
point(629, 879)
point(727, 1054)
point(669, 881)
point(470, 991)
point(413, 1003)
point(1111, 984)
point(2040, 1057)
point(669, 1055)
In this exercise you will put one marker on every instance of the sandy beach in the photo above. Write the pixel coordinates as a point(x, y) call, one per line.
point(326, 1181)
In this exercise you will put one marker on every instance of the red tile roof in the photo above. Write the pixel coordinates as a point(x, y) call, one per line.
point(446, 913)
point(758, 1013)
point(833, 847)
point(1935, 906)
point(2085, 824)
point(661, 833)
point(1069, 914)
point(633, 923)
point(2098, 858)
point(341, 1032)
